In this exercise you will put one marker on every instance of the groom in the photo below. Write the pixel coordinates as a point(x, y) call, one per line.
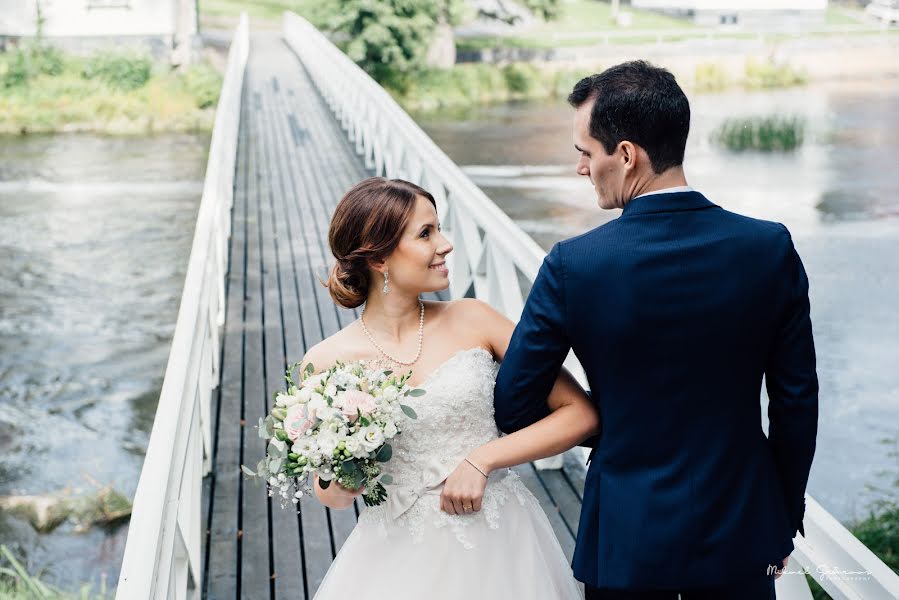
point(676, 310)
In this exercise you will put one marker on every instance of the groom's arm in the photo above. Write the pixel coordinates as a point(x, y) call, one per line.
point(536, 351)
point(792, 385)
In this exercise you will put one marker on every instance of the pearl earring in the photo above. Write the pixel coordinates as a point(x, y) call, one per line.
point(386, 287)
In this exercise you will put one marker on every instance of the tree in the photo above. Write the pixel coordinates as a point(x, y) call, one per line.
point(390, 38)
point(545, 9)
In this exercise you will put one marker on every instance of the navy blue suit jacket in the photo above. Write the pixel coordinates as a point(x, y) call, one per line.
point(677, 310)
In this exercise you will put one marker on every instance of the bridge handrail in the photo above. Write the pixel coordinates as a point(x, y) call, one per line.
point(162, 552)
point(490, 249)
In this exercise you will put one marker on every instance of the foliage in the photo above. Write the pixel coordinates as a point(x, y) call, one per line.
point(390, 38)
point(761, 133)
point(267, 10)
point(19, 66)
point(204, 83)
point(545, 9)
point(120, 71)
point(472, 84)
point(710, 77)
point(166, 101)
point(771, 75)
point(17, 584)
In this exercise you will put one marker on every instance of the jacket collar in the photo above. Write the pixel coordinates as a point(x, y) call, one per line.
point(670, 202)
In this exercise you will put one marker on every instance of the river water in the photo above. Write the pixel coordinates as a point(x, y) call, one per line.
point(838, 195)
point(95, 234)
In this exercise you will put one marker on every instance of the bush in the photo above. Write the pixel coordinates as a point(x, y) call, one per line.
point(121, 71)
point(761, 133)
point(771, 75)
point(710, 77)
point(545, 9)
point(204, 83)
point(19, 66)
point(520, 78)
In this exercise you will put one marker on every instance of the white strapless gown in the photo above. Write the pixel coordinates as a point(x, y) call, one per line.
point(408, 549)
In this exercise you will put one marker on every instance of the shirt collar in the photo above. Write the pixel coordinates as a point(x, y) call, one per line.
point(667, 201)
point(668, 190)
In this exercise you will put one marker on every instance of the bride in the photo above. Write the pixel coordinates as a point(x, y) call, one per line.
point(457, 523)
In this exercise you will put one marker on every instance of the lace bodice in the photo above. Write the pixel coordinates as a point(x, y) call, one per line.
point(455, 416)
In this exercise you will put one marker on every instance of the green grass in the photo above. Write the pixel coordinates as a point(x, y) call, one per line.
point(269, 10)
point(765, 134)
point(473, 84)
point(592, 16)
point(842, 15)
point(17, 584)
point(110, 93)
point(582, 22)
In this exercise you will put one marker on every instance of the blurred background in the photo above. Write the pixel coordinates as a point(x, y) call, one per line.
point(106, 108)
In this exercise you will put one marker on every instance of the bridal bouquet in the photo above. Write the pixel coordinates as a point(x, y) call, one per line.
point(336, 424)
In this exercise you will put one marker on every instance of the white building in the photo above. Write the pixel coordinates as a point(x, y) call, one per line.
point(167, 27)
point(744, 14)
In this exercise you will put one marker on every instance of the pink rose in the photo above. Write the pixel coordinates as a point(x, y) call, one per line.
point(296, 422)
point(355, 401)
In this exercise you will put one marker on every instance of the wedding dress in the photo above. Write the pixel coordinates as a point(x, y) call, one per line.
point(408, 549)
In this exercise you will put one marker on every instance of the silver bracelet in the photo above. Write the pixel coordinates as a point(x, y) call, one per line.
point(476, 468)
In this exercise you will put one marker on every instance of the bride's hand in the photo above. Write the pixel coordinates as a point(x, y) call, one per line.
point(464, 489)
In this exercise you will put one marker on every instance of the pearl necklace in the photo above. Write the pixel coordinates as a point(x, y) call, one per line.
point(421, 331)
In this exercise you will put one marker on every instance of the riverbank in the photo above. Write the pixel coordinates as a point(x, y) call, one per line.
point(468, 85)
point(45, 91)
point(700, 66)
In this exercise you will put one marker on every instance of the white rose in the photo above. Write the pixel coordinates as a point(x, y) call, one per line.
point(390, 393)
point(355, 447)
point(390, 430)
point(326, 441)
point(316, 403)
point(372, 437)
point(352, 444)
point(313, 380)
point(331, 390)
point(304, 395)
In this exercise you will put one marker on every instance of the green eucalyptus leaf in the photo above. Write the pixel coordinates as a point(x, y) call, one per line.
point(415, 393)
point(386, 479)
point(247, 471)
point(407, 410)
point(384, 453)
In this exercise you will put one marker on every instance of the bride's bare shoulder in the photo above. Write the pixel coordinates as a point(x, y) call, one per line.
point(468, 309)
point(343, 346)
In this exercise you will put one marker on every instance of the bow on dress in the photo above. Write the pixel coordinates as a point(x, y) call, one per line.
point(402, 497)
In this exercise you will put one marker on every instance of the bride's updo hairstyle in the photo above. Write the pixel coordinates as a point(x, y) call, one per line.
point(366, 228)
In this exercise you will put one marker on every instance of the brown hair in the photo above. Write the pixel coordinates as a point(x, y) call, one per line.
point(366, 227)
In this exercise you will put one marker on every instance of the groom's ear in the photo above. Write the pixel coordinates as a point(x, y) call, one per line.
point(628, 154)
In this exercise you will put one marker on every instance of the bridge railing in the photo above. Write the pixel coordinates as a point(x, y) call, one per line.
point(162, 553)
point(496, 261)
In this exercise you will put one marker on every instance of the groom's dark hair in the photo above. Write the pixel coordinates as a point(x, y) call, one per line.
point(641, 103)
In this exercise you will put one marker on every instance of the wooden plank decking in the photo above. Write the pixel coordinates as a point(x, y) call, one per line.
point(294, 163)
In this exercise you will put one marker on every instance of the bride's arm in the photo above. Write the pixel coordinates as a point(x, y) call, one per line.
point(572, 420)
point(336, 496)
